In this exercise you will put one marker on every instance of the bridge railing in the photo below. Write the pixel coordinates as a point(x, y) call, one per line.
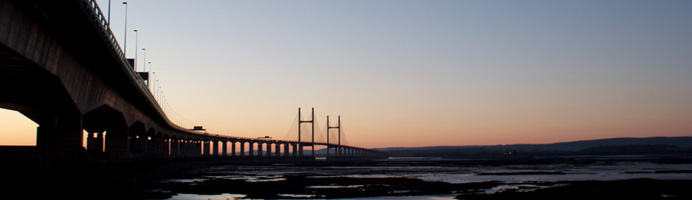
point(103, 27)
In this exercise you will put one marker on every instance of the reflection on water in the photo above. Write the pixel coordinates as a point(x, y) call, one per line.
point(334, 186)
point(520, 174)
point(240, 196)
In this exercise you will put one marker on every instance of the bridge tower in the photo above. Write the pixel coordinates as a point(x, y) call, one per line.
point(312, 122)
point(338, 127)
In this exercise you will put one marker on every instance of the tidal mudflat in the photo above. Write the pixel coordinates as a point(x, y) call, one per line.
point(431, 179)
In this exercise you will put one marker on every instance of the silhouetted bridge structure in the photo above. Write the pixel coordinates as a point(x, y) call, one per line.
point(61, 67)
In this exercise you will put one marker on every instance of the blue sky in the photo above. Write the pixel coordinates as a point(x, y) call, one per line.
point(421, 73)
point(469, 71)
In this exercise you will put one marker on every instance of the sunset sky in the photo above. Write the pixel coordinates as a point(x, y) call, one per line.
point(415, 73)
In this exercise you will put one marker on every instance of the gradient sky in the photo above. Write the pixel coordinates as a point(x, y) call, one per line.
point(417, 73)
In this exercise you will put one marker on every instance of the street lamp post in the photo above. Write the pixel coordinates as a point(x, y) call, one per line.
point(145, 59)
point(125, 40)
point(153, 88)
point(152, 76)
point(136, 51)
point(109, 14)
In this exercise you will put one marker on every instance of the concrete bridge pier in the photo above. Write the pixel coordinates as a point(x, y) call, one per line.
point(59, 137)
point(233, 148)
point(205, 148)
point(166, 147)
point(215, 149)
point(295, 150)
point(286, 152)
point(184, 148)
point(157, 146)
point(269, 150)
point(153, 146)
point(95, 144)
point(252, 149)
point(259, 149)
point(138, 141)
point(174, 148)
point(277, 150)
point(225, 148)
point(189, 148)
point(117, 145)
point(242, 149)
point(195, 148)
point(181, 148)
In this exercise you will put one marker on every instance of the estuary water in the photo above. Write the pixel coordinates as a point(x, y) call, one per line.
point(203, 183)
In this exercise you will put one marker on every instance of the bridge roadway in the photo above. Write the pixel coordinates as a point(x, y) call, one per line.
point(61, 66)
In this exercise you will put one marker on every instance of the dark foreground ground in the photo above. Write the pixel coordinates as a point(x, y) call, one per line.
point(373, 187)
point(589, 190)
point(156, 180)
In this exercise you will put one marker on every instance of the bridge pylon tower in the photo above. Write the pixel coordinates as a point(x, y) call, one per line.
point(338, 127)
point(312, 122)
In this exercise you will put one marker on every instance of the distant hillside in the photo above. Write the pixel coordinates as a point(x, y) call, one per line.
point(614, 146)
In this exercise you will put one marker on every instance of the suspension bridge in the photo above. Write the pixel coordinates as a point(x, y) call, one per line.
point(62, 67)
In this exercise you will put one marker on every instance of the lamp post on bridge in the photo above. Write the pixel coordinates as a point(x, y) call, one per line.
point(109, 14)
point(136, 50)
point(145, 66)
point(145, 59)
point(153, 77)
point(125, 39)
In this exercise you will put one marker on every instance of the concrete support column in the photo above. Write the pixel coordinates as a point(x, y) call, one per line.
point(166, 147)
point(192, 148)
point(117, 144)
point(286, 153)
point(251, 149)
point(59, 137)
point(197, 148)
point(206, 149)
point(162, 147)
point(295, 150)
point(260, 149)
point(242, 148)
point(95, 144)
point(138, 144)
point(225, 148)
point(154, 146)
point(277, 149)
point(182, 148)
point(269, 150)
point(215, 150)
point(189, 148)
point(185, 148)
point(233, 148)
point(174, 148)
